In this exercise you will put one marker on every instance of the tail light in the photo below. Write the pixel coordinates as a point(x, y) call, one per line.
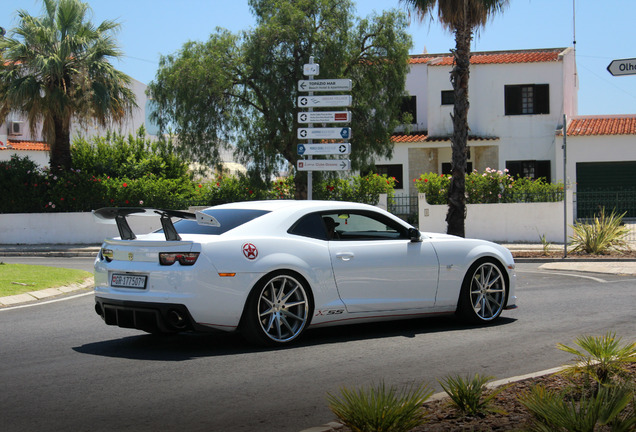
point(184, 258)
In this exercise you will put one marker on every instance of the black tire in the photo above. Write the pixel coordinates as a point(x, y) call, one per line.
point(278, 310)
point(484, 292)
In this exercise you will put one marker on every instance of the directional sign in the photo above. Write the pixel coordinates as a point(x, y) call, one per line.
point(324, 149)
point(324, 133)
point(324, 101)
point(324, 117)
point(622, 67)
point(324, 85)
point(324, 165)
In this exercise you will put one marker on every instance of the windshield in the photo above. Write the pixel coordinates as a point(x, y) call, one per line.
point(228, 218)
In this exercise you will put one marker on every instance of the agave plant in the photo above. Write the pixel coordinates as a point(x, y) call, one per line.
point(609, 408)
point(604, 234)
point(469, 394)
point(380, 408)
point(601, 358)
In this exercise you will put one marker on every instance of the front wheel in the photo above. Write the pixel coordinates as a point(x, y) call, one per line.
point(277, 311)
point(483, 294)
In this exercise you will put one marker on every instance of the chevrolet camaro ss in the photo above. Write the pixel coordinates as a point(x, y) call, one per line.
point(273, 269)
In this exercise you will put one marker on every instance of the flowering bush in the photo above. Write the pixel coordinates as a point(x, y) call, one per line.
point(365, 189)
point(491, 186)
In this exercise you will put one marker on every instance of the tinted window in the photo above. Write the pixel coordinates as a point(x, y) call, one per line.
point(310, 225)
point(228, 218)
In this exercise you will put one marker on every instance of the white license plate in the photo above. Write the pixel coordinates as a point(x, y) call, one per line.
point(128, 281)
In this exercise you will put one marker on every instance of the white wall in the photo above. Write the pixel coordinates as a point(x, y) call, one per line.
point(65, 228)
point(504, 223)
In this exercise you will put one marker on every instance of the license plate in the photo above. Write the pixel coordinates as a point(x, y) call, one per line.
point(128, 281)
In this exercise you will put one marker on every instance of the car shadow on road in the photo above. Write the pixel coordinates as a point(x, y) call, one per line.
point(189, 346)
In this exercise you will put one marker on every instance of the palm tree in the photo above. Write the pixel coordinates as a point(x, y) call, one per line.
point(462, 17)
point(55, 69)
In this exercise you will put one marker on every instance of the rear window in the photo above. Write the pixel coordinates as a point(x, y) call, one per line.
point(228, 218)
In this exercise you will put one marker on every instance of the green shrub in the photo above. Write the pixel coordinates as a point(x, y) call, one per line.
point(380, 409)
point(469, 395)
point(606, 233)
point(491, 186)
point(132, 157)
point(22, 186)
point(364, 189)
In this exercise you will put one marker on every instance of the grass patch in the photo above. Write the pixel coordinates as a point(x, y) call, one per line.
point(21, 278)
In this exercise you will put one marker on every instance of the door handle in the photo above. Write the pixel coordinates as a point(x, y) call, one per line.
point(345, 256)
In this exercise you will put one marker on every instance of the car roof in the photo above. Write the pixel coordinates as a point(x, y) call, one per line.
point(291, 205)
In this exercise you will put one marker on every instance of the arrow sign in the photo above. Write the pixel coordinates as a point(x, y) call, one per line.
point(324, 165)
point(324, 85)
point(324, 133)
point(324, 149)
point(622, 67)
point(324, 117)
point(324, 101)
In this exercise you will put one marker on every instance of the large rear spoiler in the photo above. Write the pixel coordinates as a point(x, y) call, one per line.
point(118, 216)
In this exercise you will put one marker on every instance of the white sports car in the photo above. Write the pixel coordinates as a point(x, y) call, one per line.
point(272, 269)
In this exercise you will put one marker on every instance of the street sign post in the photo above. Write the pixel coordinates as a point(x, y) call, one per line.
point(324, 101)
point(324, 165)
point(622, 67)
point(324, 133)
point(324, 85)
point(324, 117)
point(324, 149)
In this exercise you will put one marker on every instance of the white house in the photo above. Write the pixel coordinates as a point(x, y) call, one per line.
point(517, 104)
point(16, 138)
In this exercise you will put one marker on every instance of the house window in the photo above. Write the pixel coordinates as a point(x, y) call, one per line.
point(527, 99)
point(392, 171)
point(448, 97)
point(409, 106)
point(532, 169)
point(446, 168)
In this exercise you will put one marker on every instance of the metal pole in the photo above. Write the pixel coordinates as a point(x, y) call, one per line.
point(565, 187)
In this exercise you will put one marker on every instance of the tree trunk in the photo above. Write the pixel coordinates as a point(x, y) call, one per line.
point(61, 148)
point(456, 215)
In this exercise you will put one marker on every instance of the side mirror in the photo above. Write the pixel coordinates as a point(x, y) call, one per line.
point(415, 235)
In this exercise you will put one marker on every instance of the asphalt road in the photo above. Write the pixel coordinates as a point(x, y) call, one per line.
point(63, 369)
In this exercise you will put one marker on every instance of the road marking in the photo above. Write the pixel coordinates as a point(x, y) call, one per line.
point(558, 272)
point(46, 302)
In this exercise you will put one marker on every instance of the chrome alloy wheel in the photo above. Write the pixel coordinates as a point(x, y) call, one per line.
point(487, 291)
point(283, 308)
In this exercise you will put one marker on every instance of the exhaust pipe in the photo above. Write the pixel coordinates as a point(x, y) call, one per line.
point(99, 310)
point(176, 319)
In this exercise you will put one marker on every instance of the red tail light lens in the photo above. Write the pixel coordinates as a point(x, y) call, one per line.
point(184, 258)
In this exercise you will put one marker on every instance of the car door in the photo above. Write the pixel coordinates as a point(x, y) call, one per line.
point(377, 267)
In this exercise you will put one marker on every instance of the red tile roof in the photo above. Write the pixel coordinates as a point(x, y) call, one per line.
point(494, 57)
point(25, 145)
point(401, 138)
point(602, 125)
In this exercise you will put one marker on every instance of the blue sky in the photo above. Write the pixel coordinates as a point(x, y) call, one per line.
point(604, 32)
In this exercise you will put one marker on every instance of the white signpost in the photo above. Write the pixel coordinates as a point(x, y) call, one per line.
point(324, 117)
point(324, 149)
point(323, 165)
point(325, 133)
point(324, 85)
point(622, 67)
point(324, 101)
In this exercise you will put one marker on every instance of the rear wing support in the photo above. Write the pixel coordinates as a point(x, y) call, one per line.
point(118, 216)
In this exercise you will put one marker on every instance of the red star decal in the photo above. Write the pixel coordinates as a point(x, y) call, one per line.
point(250, 251)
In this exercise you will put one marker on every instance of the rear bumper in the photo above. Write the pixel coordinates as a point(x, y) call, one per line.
point(149, 317)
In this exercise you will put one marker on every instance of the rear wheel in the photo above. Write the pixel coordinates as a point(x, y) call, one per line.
point(484, 293)
point(278, 310)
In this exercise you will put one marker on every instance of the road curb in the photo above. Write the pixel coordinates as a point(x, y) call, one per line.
point(47, 293)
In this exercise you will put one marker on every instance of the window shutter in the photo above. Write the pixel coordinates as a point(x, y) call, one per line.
point(512, 94)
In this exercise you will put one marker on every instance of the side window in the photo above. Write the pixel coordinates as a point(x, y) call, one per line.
point(356, 225)
point(311, 225)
